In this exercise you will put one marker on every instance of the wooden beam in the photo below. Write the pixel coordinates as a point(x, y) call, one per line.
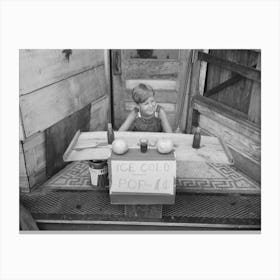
point(202, 75)
point(185, 66)
point(246, 71)
point(229, 117)
point(227, 83)
point(254, 112)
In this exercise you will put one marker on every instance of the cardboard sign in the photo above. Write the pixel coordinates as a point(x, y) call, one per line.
point(154, 177)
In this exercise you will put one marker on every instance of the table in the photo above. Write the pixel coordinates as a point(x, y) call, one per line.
point(187, 159)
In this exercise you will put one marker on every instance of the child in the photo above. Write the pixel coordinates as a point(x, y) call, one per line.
point(148, 116)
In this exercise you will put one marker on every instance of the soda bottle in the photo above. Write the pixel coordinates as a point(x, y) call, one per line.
point(196, 139)
point(110, 134)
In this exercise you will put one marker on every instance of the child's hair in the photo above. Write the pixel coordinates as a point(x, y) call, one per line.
point(141, 93)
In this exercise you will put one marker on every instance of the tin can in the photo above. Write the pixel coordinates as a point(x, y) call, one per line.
point(98, 173)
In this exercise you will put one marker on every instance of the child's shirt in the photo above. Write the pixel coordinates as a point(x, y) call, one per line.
point(152, 124)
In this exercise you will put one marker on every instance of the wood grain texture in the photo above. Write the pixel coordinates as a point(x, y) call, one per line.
point(142, 69)
point(27, 222)
point(59, 136)
point(158, 54)
point(246, 164)
point(35, 158)
point(194, 89)
point(21, 129)
point(185, 66)
point(211, 148)
point(202, 75)
point(99, 115)
point(39, 68)
point(239, 142)
point(254, 112)
point(155, 84)
point(45, 107)
point(227, 116)
point(23, 179)
point(247, 72)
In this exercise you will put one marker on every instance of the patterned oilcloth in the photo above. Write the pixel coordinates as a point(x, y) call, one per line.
point(209, 177)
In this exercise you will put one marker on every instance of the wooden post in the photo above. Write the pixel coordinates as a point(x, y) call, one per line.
point(254, 113)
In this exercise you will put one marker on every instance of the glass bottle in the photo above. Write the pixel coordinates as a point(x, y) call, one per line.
point(196, 139)
point(110, 134)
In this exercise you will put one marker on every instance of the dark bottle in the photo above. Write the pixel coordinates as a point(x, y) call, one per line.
point(110, 134)
point(196, 139)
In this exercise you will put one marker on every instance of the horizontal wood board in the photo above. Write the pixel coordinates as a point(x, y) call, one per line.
point(155, 84)
point(39, 68)
point(211, 148)
point(141, 69)
point(227, 116)
point(45, 107)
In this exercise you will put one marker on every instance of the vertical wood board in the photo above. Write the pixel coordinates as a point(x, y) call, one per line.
point(254, 112)
point(59, 136)
point(45, 107)
point(99, 115)
point(23, 180)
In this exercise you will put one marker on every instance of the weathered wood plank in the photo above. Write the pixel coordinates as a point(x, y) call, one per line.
point(247, 72)
point(168, 107)
point(211, 149)
point(45, 107)
point(26, 220)
point(99, 115)
point(194, 88)
point(166, 96)
point(158, 54)
point(227, 83)
point(239, 142)
point(254, 112)
point(185, 67)
point(21, 130)
point(141, 69)
point(35, 158)
point(39, 68)
point(23, 180)
point(248, 165)
point(227, 116)
point(202, 75)
point(59, 136)
point(155, 84)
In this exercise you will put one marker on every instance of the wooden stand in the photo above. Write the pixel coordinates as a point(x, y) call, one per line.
point(143, 211)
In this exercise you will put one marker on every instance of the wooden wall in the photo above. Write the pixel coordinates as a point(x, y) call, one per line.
point(52, 87)
point(226, 98)
point(238, 95)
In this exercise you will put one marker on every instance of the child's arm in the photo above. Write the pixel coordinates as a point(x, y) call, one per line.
point(128, 122)
point(164, 121)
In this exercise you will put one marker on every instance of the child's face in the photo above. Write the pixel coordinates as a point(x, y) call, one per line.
point(148, 107)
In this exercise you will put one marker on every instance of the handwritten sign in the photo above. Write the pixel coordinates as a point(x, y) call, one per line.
point(149, 177)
